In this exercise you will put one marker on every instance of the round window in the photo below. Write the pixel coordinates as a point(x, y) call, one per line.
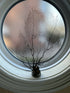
point(34, 32)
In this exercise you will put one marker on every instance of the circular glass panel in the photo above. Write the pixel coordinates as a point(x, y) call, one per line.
point(33, 31)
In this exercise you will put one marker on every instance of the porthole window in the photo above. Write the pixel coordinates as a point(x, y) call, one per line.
point(34, 32)
point(34, 40)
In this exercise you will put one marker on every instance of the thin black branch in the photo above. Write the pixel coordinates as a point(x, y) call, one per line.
point(45, 50)
point(27, 62)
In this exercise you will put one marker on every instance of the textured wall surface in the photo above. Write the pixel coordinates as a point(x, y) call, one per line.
point(66, 90)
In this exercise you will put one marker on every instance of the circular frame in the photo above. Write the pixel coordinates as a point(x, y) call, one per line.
point(20, 80)
point(56, 59)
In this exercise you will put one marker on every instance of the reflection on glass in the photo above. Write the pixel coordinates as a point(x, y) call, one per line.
point(33, 31)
